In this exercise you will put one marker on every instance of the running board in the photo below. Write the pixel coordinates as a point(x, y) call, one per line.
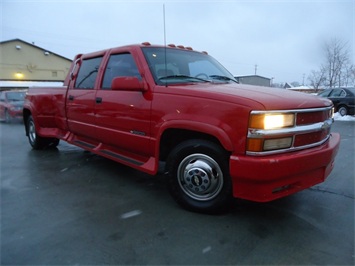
point(105, 151)
point(84, 144)
point(120, 157)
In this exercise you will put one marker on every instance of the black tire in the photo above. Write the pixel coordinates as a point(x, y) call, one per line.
point(343, 110)
point(37, 142)
point(198, 176)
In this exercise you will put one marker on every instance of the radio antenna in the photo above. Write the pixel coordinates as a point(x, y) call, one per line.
point(164, 24)
point(165, 62)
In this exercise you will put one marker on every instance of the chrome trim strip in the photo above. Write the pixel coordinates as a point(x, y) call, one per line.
point(289, 149)
point(293, 111)
point(74, 68)
point(262, 133)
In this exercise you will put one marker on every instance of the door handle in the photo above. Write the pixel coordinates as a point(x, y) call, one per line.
point(71, 98)
point(98, 100)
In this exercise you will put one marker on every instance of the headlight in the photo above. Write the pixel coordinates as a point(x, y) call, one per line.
point(265, 123)
point(271, 121)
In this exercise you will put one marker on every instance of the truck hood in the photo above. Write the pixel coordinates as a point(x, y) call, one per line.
point(264, 98)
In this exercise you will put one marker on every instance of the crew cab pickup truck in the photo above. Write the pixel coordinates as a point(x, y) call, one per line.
point(170, 109)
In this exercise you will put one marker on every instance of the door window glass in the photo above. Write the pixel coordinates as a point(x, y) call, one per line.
point(324, 93)
point(120, 65)
point(88, 73)
point(336, 93)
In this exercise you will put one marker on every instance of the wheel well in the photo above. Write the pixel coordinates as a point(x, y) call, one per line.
point(172, 137)
point(340, 106)
point(26, 114)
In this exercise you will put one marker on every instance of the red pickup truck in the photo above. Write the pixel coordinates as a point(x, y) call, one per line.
point(170, 109)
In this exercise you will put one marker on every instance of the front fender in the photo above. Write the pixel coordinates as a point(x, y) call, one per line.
point(199, 127)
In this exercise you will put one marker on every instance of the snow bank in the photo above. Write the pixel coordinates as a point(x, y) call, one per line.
point(338, 117)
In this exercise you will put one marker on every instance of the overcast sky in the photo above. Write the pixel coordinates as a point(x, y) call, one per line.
point(284, 38)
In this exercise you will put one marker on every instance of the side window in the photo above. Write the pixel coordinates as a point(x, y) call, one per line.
point(120, 65)
point(336, 93)
point(343, 93)
point(324, 93)
point(88, 73)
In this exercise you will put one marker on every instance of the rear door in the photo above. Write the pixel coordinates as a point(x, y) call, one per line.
point(81, 98)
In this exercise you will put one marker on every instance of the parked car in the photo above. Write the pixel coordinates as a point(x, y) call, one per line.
point(11, 103)
point(342, 98)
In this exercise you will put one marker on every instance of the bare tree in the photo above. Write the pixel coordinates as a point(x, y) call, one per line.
point(336, 59)
point(337, 68)
point(352, 75)
point(317, 79)
point(348, 75)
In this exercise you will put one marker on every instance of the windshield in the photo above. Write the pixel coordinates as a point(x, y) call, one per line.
point(173, 66)
point(16, 96)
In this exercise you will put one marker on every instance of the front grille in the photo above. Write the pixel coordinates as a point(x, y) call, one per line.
point(311, 117)
point(310, 138)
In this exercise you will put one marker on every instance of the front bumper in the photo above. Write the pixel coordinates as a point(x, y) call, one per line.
point(14, 113)
point(270, 177)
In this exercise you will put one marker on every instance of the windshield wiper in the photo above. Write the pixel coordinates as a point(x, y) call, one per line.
point(219, 77)
point(183, 77)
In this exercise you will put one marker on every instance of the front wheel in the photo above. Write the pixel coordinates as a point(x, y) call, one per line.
point(199, 176)
point(37, 142)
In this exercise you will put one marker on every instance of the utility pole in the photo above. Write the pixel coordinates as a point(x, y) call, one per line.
point(256, 68)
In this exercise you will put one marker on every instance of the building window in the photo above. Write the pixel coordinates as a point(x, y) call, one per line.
point(54, 74)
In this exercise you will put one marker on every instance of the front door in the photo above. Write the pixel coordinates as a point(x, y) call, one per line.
point(123, 117)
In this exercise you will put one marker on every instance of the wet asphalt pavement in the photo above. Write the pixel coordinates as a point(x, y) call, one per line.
point(70, 207)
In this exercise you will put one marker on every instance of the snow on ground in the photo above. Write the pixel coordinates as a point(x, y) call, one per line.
point(338, 117)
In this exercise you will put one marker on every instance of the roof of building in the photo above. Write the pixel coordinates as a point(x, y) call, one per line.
point(303, 87)
point(252, 76)
point(35, 46)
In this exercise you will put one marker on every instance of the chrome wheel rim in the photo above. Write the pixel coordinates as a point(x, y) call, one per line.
point(200, 177)
point(32, 131)
point(342, 111)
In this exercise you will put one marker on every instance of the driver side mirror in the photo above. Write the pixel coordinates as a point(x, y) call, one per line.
point(127, 83)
